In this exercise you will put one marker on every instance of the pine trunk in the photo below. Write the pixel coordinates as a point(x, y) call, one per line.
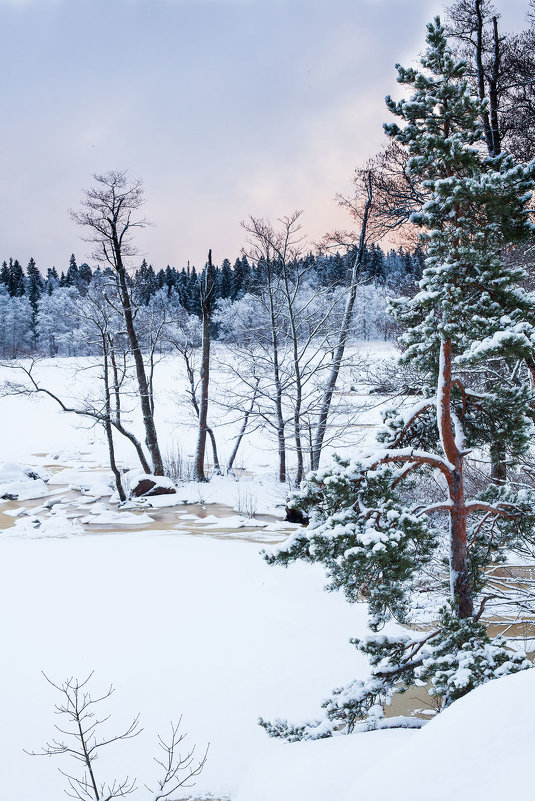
point(453, 447)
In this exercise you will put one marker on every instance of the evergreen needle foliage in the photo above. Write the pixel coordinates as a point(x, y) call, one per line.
point(469, 324)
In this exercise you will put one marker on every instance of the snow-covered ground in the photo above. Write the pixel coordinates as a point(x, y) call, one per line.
point(180, 622)
point(181, 625)
point(185, 620)
point(480, 748)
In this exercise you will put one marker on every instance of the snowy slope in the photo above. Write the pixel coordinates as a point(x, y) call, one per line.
point(481, 749)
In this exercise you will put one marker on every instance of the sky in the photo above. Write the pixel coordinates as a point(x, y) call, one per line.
point(224, 108)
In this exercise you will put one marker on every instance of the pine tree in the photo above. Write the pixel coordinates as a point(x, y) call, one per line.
point(72, 277)
point(35, 290)
point(171, 280)
point(85, 274)
point(4, 275)
point(145, 283)
point(241, 278)
point(35, 284)
point(194, 293)
point(182, 288)
point(376, 264)
point(52, 280)
point(366, 526)
point(224, 284)
point(16, 284)
point(15, 331)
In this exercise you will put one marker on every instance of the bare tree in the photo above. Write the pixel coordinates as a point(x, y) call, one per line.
point(264, 244)
point(178, 770)
point(101, 412)
point(109, 215)
point(338, 354)
point(247, 414)
point(502, 69)
point(81, 736)
point(285, 335)
point(80, 739)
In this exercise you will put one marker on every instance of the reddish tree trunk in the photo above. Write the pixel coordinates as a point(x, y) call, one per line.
point(453, 451)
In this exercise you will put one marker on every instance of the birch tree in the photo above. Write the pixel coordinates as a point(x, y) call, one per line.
point(109, 216)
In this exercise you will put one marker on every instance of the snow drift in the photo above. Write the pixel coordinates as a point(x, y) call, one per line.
point(479, 748)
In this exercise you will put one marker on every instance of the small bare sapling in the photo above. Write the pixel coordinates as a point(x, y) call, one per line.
point(81, 737)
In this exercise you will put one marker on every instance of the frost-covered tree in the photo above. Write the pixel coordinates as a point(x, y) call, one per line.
point(369, 524)
point(55, 321)
point(16, 329)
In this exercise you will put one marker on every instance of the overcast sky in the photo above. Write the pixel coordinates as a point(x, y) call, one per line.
point(224, 107)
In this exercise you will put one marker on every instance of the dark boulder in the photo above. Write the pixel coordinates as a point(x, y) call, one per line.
point(147, 487)
point(295, 516)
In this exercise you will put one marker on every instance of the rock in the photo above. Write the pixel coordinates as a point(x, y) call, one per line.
point(295, 516)
point(152, 485)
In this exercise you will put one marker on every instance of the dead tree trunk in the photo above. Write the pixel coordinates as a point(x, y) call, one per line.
point(206, 307)
point(194, 403)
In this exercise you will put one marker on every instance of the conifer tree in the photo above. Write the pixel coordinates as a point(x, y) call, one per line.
point(241, 277)
point(366, 525)
point(4, 275)
point(35, 290)
point(224, 284)
point(193, 297)
point(85, 273)
point(145, 283)
point(72, 275)
point(52, 280)
point(16, 284)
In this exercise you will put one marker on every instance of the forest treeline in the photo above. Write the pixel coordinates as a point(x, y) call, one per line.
point(41, 312)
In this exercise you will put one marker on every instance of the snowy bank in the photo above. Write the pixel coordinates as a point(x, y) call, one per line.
point(22, 482)
point(478, 749)
point(319, 770)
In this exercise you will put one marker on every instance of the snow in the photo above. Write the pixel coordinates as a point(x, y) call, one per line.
point(105, 517)
point(201, 626)
point(480, 748)
point(34, 527)
point(21, 482)
point(181, 625)
point(319, 770)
